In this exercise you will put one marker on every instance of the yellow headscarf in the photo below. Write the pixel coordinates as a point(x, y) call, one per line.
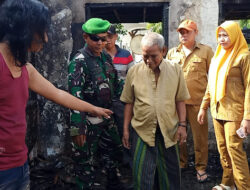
point(223, 59)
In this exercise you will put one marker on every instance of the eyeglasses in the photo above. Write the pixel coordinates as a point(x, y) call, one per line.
point(96, 38)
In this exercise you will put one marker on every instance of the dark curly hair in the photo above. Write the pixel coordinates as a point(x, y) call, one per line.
point(19, 21)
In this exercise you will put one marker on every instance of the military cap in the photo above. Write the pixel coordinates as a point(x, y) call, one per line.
point(96, 26)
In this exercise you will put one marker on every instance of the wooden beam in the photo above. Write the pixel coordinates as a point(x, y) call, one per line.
point(144, 14)
point(117, 15)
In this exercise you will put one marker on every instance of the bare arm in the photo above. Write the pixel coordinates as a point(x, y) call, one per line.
point(42, 86)
point(181, 110)
point(181, 133)
point(128, 112)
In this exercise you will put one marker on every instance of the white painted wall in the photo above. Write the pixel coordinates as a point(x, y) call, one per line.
point(204, 13)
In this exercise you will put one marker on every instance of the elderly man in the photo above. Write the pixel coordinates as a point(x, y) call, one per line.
point(93, 78)
point(154, 93)
point(195, 60)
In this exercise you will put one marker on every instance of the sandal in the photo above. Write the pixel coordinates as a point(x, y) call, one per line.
point(223, 187)
point(201, 175)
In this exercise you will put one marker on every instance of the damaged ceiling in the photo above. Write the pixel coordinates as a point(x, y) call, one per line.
point(126, 12)
point(234, 9)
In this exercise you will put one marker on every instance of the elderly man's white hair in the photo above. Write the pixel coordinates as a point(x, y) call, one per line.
point(153, 38)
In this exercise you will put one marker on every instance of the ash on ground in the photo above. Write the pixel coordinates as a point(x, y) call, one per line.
point(58, 173)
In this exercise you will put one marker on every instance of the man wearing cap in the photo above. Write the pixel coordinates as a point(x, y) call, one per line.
point(122, 60)
point(92, 78)
point(195, 59)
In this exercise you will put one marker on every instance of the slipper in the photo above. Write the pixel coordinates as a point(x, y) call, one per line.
point(223, 187)
point(202, 180)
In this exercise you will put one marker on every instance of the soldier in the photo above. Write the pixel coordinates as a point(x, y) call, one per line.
point(92, 78)
point(195, 60)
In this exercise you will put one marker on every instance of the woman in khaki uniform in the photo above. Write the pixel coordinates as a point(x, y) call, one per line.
point(228, 93)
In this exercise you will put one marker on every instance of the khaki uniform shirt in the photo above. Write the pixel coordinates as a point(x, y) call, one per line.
point(195, 67)
point(155, 103)
point(235, 105)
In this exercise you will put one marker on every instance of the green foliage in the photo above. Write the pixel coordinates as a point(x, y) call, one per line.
point(245, 23)
point(120, 29)
point(155, 27)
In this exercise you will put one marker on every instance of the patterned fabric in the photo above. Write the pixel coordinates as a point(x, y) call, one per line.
point(150, 161)
point(94, 80)
point(103, 141)
point(122, 61)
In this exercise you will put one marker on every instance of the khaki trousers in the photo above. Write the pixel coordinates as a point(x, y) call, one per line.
point(232, 156)
point(200, 138)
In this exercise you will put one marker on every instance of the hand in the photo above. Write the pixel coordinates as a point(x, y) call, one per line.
point(246, 126)
point(201, 115)
point(125, 139)
point(79, 140)
point(181, 134)
point(101, 112)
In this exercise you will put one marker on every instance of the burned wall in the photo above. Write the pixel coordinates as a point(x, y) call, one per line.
point(48, 122)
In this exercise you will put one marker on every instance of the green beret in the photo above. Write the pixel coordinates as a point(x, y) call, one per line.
point(96, 26)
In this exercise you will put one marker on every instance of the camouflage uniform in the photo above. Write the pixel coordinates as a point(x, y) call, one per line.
point(94, 80)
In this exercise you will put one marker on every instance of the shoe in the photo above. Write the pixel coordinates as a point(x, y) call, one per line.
point(201, 175)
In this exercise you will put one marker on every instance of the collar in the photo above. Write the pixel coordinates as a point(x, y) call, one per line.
point(117, 48)
point(160, 66)
point(89, 52)
point(196, 45)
